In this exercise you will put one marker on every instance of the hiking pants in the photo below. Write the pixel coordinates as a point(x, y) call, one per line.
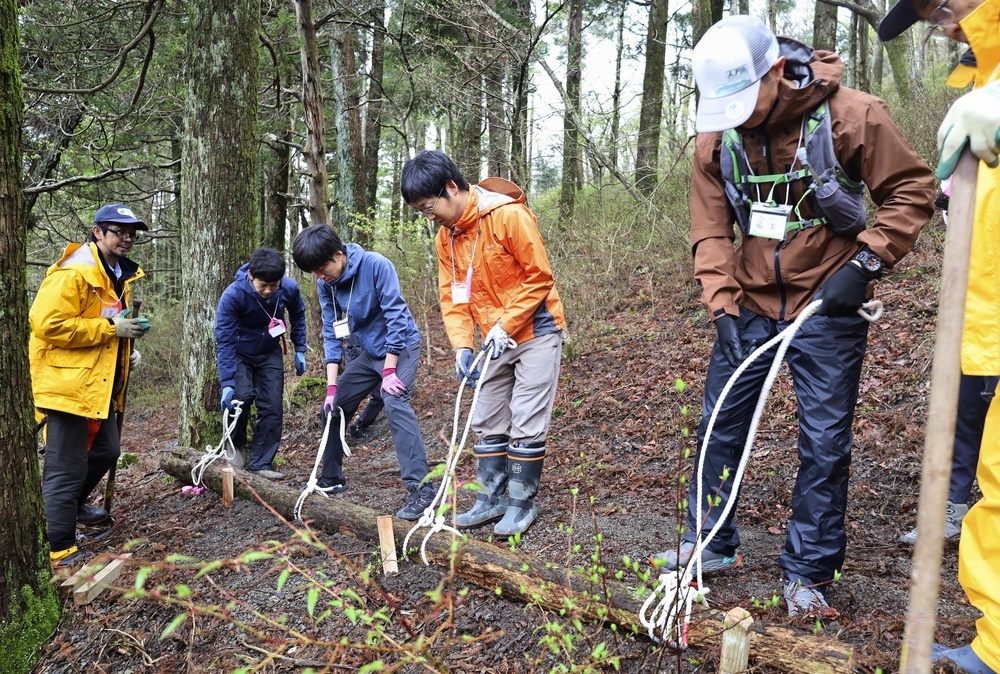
point(825, 360)
point(71, 472)
point(260, 379)
point(357, 381)
point(517, 394)
point(974, 395)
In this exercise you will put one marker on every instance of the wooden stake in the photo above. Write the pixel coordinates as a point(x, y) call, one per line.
point(939, 437)
point(735, 642)
point(227, 485)
point(101, 580)
point(387, 541)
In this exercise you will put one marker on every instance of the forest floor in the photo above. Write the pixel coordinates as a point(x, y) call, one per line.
point(617, 442)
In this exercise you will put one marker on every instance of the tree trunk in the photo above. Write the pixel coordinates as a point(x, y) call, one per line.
point(277, 178)
point(616, 95)
point(852, 52)
point(772, 15)
point(519, 74)
point(312, 104)
point(647, 156)
point(862, 81)
point(373, 105)
point(219, 178)
point(29, 603)
point(571, 164)
point(825, 27)
point(350, 145)
point(521, 577)
point(496, 156)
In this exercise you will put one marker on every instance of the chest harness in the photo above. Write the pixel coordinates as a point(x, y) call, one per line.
point(838, 201)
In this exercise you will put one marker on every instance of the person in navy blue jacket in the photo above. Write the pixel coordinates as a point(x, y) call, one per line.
point(250, 329)
point(360, 298)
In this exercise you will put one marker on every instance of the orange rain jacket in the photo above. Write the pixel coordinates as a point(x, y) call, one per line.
point(512, 281)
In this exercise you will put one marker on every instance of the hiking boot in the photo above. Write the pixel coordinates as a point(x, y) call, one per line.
point(269, 474)
point(331, 485)
point(953, 517)
point(805, 600)
point(64, 559)
point(90, 515)
point(420, 500)
point(965, 658)
point(711, 562)
point(360, 432)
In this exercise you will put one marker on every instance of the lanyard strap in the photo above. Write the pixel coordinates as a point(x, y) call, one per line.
point(468, 276)
point(350, 296)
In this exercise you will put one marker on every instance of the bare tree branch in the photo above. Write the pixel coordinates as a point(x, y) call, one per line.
point(78, 180)
point(123, 53)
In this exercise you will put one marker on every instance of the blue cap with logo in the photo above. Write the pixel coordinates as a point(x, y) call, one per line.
point(119, 214)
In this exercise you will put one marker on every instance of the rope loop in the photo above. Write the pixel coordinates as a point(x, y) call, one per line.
point(675, 586)
point(313, 480)
point(431, 517)
point(220, 450)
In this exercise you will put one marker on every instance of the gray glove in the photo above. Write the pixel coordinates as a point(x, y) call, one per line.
point(134, 359)
point(130, 328)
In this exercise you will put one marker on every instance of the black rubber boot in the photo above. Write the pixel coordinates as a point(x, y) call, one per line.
point(91, 515)
point(524, 466)
point(491, 472)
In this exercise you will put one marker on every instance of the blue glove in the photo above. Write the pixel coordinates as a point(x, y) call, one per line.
point(227, 398)
point(300, 363)
point(463, 367)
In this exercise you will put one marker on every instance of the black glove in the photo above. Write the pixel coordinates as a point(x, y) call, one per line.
point(728, 333)
point(844, 292)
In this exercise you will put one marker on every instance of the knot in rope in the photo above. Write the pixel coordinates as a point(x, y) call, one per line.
point(313, 481)
point(213, 453)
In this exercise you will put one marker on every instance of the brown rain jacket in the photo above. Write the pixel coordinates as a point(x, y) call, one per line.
point(779, 278)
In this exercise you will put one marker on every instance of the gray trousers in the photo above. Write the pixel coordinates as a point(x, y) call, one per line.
point(353, 386)
point(72, 470)
point(516, 397)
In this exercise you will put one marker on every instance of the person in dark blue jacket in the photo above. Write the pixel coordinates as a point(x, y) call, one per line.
point(360, 298)
point(250, 330)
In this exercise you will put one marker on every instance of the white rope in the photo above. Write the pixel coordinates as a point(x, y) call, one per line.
point(664, 616)
point(311, 485)
point(429, 518)
point(220, 450)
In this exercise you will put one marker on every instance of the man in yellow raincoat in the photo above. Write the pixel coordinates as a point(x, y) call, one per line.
point(975, 119)
point(80, 355)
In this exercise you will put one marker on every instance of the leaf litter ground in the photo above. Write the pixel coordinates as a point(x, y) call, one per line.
point(622, 425)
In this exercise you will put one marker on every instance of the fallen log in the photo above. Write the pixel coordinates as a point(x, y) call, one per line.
point(525, 578)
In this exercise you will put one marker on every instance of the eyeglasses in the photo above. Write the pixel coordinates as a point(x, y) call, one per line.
point(123, 235)
point(941, 16)
point(426, 212)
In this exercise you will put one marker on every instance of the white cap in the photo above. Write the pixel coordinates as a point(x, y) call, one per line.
point(729, 62)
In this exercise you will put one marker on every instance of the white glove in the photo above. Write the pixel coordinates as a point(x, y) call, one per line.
point(974, 119)
point(134, 359)
point(497, 341)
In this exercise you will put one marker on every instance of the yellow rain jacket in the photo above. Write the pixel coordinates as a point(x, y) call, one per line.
point(979, 549)
point(511, 278)
point(73, 350)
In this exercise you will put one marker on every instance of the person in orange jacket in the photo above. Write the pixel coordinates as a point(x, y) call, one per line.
point(494, 274)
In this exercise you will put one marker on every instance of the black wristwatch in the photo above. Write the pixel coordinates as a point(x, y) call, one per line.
point(871, 263)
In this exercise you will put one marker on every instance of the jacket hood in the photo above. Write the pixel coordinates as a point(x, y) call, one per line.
point(85, 259)
point(354, 255)
point(485, 197)
point(245, 285)
point(810, 77)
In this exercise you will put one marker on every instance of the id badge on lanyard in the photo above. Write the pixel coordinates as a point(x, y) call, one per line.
point(341, 330)
point(276, 328)
point(769, 221)
point(111, 310)
point(460, 292)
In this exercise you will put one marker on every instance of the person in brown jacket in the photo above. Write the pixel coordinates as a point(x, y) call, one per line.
point(781, 161)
